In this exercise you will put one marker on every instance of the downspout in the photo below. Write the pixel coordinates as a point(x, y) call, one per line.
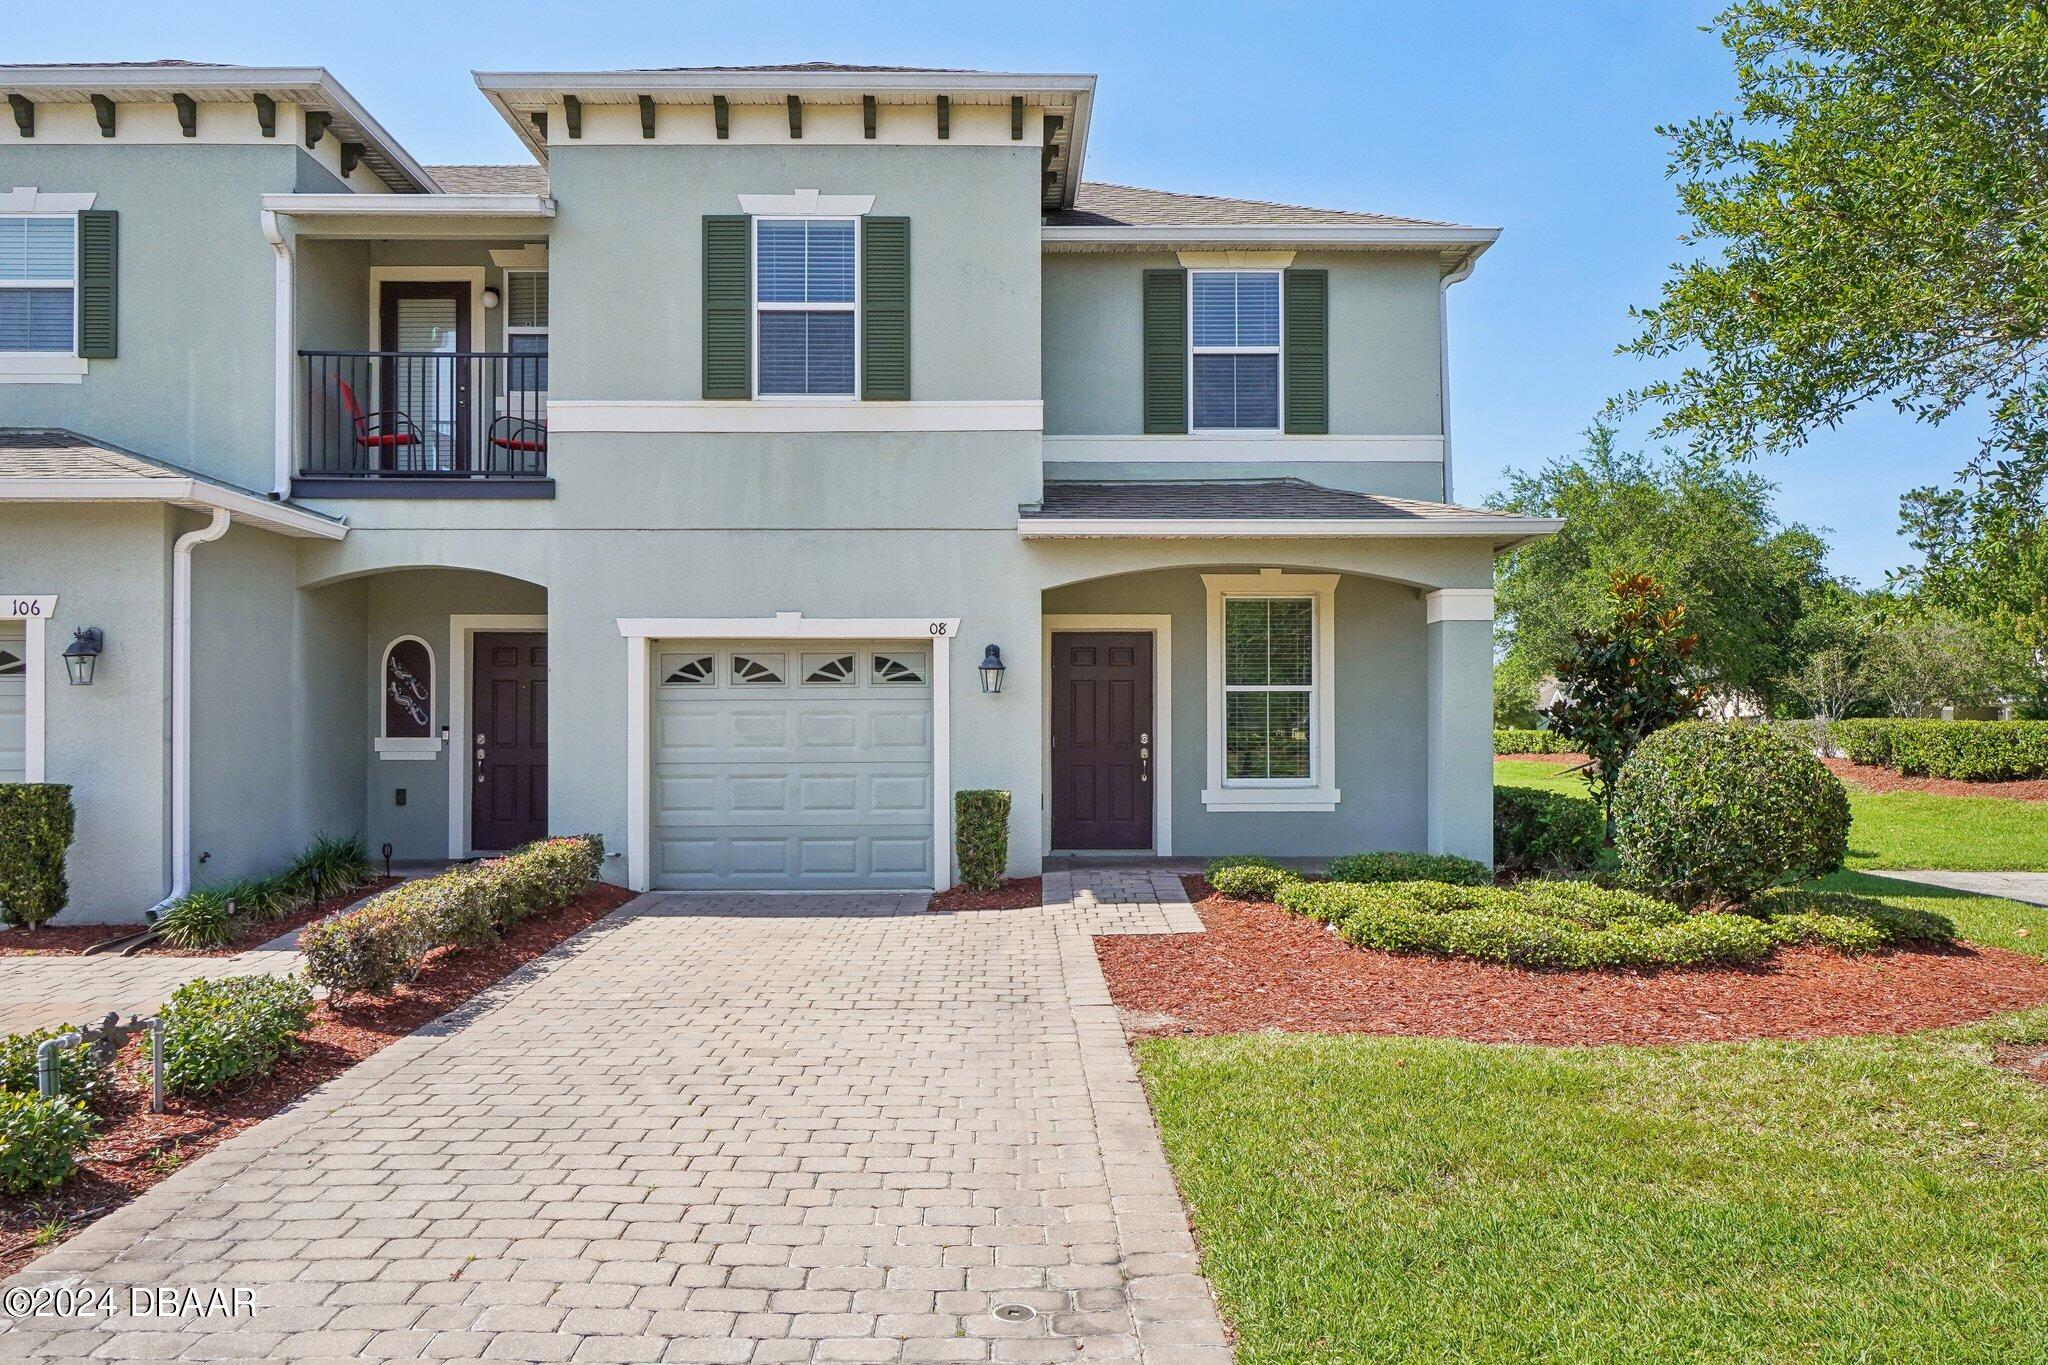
point(286, 328)
point(181, 701)
point(1443, 337)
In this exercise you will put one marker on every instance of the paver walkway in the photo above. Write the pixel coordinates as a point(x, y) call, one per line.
point(42, 992)
point(2031, 887)
point(712, 1128)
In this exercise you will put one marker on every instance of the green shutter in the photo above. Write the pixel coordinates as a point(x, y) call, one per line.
point(1166, 352)
point(1306, 352)
point(885, 308)
point(728, 252)
point(99, 270)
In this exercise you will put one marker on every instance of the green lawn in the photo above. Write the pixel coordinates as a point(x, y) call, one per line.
point(1367, 1199)
point(1890, 829)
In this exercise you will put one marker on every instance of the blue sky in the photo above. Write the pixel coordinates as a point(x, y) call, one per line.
point(1536, 117)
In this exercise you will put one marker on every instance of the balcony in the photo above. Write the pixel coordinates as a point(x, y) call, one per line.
point(412, 424)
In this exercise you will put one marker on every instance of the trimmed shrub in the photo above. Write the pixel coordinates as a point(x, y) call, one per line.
point(1516, 741)
point(81, 1068)
point(1837, 919)
point(1409, 867)
point(218, 1032)
point(383, 941)
point(36, 825)
point(40, 1141)
point(1248, 877)
point(1538, 831)
point(1581, 927)
point(1964, 750)
point(198, 920)
point(981, 837)
point(1714, 811)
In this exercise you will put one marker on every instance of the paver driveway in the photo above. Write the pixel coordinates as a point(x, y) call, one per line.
point(713, 1128)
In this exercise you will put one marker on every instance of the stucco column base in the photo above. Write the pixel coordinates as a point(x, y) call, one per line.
point(1460, 685)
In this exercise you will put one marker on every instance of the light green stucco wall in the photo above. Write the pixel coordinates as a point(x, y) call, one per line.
point(109, 567)
point(193, 381)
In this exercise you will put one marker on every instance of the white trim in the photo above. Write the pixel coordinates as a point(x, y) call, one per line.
point(29, 199)
point(1249, 446)
point(42, 367)
point(411, 205)
point(195, 493)
point(1269, 236)
point(472, 275)
point(1319, 792)
point(756, 306)
point(532, 256)
point(937, 631)
point(1276, 350)
point(461, 629)
point(34, 612)
point(775, 415)
point(406, 747)
point(181, 698)
point(1236, 260)
point(1443, 358)
point(1504, 531)
point(284, 314)
point(1458, 604)
point(807, 204)
point(1160, 627)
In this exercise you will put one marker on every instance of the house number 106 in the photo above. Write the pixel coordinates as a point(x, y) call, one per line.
point(31, 607)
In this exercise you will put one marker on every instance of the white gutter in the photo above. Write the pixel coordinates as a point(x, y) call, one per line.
point(284, 321)
point(268, 513)
point(1443, 359)
point(1503, 530)
point(410, 205)
point(181, 701)
point(1304, 235)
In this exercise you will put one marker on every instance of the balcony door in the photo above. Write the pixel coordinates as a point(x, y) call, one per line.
point(424, 329)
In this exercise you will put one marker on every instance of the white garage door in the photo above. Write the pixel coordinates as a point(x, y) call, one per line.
point(13, 702)
point(792, 765)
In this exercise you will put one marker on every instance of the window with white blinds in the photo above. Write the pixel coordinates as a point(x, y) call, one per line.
point(1234, 362)
point(805, 305)
point(39, 283)
point(1269, 685)
point(526, 330)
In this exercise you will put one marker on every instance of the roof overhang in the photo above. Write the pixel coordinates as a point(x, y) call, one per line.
point(312, 87)
point(198, 494)
point(434, 215)
point(519, 94)
point(1504, 532)
point(1460, 245)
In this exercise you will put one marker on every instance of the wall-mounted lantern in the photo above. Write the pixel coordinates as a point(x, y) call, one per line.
point(491, 298)
point(992, 671)
point(82, 655)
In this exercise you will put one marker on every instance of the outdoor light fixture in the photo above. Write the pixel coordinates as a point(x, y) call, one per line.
point(992, 671)
point(490, 298)
point(82, 655)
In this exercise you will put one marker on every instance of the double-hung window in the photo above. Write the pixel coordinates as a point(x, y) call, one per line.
point(1269, 689)
point(806, 306)
point(1235, 352)
point(39, 283)
point(526, 330)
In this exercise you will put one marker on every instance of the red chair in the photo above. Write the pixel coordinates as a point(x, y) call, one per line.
point(381, 434)
point(517, 437)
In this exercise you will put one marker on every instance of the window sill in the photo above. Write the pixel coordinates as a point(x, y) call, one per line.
point(41, 367)
point(403, 750)
point(1279, 799)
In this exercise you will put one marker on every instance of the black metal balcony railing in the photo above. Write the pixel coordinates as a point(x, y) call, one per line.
point(423, 414)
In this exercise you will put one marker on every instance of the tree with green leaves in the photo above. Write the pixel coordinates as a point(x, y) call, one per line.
point(1874, 226)
point(1620, 684)
point(1703, 530)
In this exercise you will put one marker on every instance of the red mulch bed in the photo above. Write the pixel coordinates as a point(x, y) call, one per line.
point(135, 1148)
point(1871, 778)
point(256, 935)
point(1018, 893)
point(60, 940)
point(1259, 967)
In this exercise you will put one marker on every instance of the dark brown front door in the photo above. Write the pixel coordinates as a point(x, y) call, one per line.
point(508, 754)
point(427, 324)
point(1101, 740)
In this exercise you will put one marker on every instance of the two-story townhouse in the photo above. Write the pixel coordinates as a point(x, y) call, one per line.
point(688, 485)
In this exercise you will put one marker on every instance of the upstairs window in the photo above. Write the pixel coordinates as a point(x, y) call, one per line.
point(526, 330)
point(39, 283)
point(805, 305)
point(1235, 362)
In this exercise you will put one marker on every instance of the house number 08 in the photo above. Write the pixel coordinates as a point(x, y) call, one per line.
point(938, 627)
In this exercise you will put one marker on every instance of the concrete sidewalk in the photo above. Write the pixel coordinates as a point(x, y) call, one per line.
point(2031, 887)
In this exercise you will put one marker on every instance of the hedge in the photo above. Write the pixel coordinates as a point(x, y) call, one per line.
point(384, 940)
point(981, 837)
point(1409, 867)
point(1965, 750)
point(40, 1141)
point(1532, 742)
point(1537, 831)
point(218, 1032)
point(1248, 877)
point(36, 825)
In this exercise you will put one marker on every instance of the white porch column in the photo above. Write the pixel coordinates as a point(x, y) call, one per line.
point(284, 322)
point(1460, 626)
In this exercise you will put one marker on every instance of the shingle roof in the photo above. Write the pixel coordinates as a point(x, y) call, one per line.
point(1097, 205)
point(95, 66)
point(1238, 500)
point(527, 179)
point(36, 464)
point(32, 453)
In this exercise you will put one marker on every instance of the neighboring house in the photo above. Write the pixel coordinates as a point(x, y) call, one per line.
point(676, 487)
